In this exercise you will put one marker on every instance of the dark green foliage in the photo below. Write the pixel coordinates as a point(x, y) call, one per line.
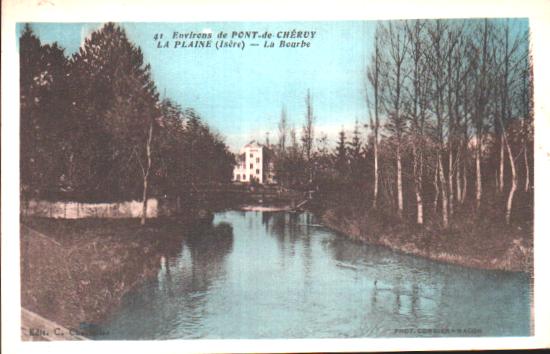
point(85, 124)
point(205, 157)
point(114, 103)
point(341, 161)
point(356, 152)
point(43, 85)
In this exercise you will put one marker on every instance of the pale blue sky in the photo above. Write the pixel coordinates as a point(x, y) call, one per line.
point(240, 93)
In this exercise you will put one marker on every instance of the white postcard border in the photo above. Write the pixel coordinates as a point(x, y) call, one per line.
point(14, 11)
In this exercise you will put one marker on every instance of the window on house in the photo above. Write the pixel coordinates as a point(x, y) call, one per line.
point(244, 177)
point(251, 166)
point(257, 171)
point(238, 177)
point(251, 155)
point(258, 159)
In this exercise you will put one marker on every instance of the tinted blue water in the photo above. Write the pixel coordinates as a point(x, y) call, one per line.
point(281, 275)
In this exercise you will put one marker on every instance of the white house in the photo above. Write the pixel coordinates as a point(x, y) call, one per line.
point(254, 162)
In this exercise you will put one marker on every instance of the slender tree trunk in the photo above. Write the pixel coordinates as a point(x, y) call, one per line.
point(399, 183)
point(465, 152)
point(436, 187)
point(501, 167)
point(374, 81)
point(527, 179)
point(464, 181)
point(419, 208)
point(478, 173)
point(417, 186)
point(418, 117)
point(450, 177)
point(376, 177)
point(458, 186)
point(504, 137)
point(480, 108)
point(451, 125)
point(444, 200)
point(514, 179)
point(146, 175)
point(144, 211)
point(526, 163)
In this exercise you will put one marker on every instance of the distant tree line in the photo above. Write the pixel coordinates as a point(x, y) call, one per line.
point(93, 127)
point(450, 125)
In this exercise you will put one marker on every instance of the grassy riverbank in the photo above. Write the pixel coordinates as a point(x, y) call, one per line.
point(76, 271)
point(475, 238)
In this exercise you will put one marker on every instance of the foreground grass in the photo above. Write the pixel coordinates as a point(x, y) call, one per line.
point(75, 271)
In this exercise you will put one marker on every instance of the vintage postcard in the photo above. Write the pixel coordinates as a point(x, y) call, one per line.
point(226, 183)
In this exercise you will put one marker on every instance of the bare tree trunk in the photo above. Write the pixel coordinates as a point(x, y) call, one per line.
point(308, 136)
point(417, 186)
point(527, 180)
point(466, 154)
point(514, 174)
point(506, 114)
point(419, 207)
point(395, 77)
point(458, 186)
point(451, 122)
point(146, 175)
point(444, 200)
point(480, 107)
point(525, 159)
point(450, 177)
point(436, 187)
point(417, 112)
point(514, 181)
point(144, 210)
point(399, 183)
point(376, 177)
point(501, 167)
point(478, 173)
point(374, 77)
point(464, 181)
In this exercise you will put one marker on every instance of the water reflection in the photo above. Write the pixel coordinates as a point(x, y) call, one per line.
point(415, 292)
point(176, 298)
point(202, 253)
point(283, 275)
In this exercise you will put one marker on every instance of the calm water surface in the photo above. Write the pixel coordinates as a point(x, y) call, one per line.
point(280, 275)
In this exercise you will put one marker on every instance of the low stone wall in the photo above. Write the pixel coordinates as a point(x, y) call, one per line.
point(74, 210)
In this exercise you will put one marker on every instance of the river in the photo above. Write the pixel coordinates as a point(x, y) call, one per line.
point(281, 275)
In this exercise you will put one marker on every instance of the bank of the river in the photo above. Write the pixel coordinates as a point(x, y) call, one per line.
point(74, 272)
point(470, 242)
point(268, 275)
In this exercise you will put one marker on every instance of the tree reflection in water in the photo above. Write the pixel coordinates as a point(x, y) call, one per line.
point(282, 275)
point(177, 297)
